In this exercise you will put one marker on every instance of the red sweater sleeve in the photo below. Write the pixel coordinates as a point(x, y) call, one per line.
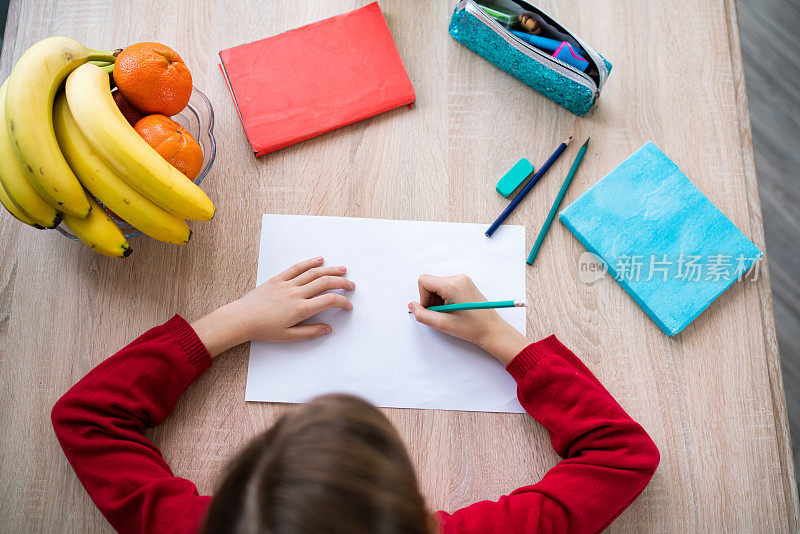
point(100, 424)
point(608, 458)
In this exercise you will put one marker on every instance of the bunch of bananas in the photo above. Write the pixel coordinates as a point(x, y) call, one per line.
point(59, 140)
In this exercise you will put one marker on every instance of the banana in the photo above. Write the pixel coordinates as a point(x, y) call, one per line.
point(135, 161)
point(12, 208)
point(101, 180)
point(15, 182)
point(99, 232)
point(29, 106)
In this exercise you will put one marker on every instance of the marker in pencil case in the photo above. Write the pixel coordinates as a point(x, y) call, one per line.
point(560, 49)
point(535, 24)
point(528, 22)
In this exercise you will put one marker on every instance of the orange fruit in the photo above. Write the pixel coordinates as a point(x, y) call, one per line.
point(173, 142)
point(154, 78)
point(128, 110)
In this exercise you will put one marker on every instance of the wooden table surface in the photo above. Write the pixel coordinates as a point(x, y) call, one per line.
point(711, 397)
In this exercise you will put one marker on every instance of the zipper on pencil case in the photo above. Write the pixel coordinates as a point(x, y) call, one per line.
point(538, 55)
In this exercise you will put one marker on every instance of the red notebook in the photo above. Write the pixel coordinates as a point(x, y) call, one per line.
point(311, 80)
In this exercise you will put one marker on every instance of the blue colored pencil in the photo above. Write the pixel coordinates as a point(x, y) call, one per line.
point(557, 203)
point(525, 190)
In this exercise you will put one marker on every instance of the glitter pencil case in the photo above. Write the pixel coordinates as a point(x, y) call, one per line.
point(494, 30)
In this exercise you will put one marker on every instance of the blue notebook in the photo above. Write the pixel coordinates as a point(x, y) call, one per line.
point(665, 243)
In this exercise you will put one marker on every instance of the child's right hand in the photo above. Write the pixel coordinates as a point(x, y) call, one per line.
point(484, 328)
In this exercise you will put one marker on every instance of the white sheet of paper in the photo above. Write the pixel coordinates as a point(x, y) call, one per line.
point(377, 350)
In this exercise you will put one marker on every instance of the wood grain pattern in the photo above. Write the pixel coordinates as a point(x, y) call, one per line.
point(765, 297)
point(768, 37)
point(710, 397)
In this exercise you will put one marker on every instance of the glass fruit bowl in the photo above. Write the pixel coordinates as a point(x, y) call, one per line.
point(198, 118)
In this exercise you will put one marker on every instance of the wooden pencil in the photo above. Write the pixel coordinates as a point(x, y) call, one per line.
point(525, 190)
point(559, 197)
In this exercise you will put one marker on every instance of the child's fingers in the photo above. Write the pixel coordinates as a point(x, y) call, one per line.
point(437, 320)
point(327, 301)
point(431, 283)
point(431, 290)
point(320, 285)
point(296, 270)
point(308, 331)
point(318, 272)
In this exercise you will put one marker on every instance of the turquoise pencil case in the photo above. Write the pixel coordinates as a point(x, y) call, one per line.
point(493, 37)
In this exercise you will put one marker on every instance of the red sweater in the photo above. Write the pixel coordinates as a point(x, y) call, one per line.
point(100, 424)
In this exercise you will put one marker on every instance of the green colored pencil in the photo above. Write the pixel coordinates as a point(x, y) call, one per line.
point(477, 305)
point(504, 17)
point(557, 203)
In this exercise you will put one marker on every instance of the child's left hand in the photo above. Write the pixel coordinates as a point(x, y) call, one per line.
point(272, 311)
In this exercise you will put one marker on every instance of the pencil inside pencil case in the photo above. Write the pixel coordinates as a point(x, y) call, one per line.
point(497, 39)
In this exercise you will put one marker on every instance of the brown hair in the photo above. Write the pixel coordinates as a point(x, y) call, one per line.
point(336, 465)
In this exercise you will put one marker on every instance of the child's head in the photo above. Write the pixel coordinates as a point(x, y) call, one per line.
point(335, 465)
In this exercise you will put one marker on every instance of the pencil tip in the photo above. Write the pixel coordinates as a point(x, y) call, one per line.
point(568, 140)
point(587, 141)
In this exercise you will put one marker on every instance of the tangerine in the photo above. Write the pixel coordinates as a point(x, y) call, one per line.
point(154, 78)
point(173, 142)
